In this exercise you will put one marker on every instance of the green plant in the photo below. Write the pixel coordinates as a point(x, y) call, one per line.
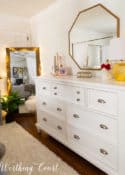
point(11, 102)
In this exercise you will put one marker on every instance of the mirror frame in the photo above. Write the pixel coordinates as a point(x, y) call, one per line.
point(38, 64)
point(117, 32)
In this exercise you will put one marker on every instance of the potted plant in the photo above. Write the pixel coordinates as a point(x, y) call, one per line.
point(10, 104)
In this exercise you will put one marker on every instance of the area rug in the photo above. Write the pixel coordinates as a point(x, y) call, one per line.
point(25, 155)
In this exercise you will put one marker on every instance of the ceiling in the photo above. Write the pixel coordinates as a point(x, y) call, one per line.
point(24, 8)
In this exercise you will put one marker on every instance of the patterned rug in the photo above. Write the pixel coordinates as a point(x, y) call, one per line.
point(25, 155)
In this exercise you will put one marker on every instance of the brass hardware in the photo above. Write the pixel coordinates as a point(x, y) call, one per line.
point(44, 119)
point(55, 93)
point(76, 137)
point(104, 152)
point(76, 116)
point(59, 127)
point(102, 126)
point(55, 87)
point(44, 103)
point(84, 74)
point(78, 92)
point(101, 101)
point(59, 109)
point(78, 99)
point(44, 88)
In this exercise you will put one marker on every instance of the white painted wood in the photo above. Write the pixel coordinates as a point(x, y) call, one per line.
point(93, 126)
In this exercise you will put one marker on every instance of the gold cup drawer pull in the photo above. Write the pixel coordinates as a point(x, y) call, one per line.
point(102, 126)
point(78, 99)
point(44, 119)
point(55, 93)
point(59, 127)
point(76, 116)
point(59, 109)
point(78, 92)
point(101, 101)
point(55, 87)
point(76, 137)
point(103, 151)
point(44, 88)
point(44, 103)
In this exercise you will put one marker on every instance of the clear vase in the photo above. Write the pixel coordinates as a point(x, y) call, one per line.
point(106, 75)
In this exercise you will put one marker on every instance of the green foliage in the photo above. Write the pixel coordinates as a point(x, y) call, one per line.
point(11, 102)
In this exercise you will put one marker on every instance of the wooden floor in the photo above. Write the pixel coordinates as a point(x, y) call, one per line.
point(78, 163)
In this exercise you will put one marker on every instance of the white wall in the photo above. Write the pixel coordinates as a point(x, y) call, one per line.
point(13, 32)
point(50, 27)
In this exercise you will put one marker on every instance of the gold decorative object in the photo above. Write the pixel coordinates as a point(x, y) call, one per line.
point(84, 74)
point(21, 49)
point(118, 71)
point(85, 48)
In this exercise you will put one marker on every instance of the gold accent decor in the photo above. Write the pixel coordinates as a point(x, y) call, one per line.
point(70, 34)
point(84, 74)
point(118, 71)
point(13, 49)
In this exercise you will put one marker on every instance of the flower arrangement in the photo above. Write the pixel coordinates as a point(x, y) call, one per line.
point(106, 66)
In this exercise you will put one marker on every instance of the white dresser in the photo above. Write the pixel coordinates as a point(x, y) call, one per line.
point(86, 115)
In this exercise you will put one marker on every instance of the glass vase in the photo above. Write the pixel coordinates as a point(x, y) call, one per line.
point(106, 75)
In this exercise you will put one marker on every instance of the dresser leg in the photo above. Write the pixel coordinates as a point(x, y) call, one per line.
point(39, 131)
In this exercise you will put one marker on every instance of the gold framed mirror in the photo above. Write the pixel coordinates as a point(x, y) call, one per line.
point(90, 34)
point(22, 64)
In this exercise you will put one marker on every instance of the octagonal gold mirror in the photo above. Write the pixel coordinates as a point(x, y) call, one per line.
point(90, 34)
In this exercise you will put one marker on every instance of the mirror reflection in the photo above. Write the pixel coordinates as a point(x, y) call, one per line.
point(23, 67)
point(90, 35)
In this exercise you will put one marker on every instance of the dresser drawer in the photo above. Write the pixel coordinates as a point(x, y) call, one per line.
point(103, 101)
point(58, 90)
point(43, 88)
point(100, 124)
point(44, 119)
point(44, 103)
point(85, 143)
point(48, 121)
point(75, 95)
point(53, 106)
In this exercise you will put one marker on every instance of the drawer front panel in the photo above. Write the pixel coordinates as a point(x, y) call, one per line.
point(97, 123)
point(52, 122)
point(82, 141)
point(103, 101)
point(55, 106)
point(58, 90)
point(44, 103)
point(75, 95)
point(43, 88)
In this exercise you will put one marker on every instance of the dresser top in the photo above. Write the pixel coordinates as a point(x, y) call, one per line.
point(89, 81)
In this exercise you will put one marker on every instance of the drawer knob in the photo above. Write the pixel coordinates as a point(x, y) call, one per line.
point(44, 87)
point(55, 87)
point(102, 126)
point(44, 103)
point(78, 92)
point(76, 116)
point(59, 109)
point(55, 93)
point(78, 99)
point(44, 119)
point(101, 101)
point(104, 152)
point(59, 127)
point(76, 137)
